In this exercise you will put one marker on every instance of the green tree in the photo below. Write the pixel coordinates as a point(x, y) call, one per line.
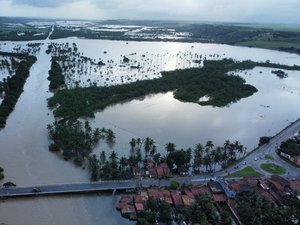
point(170, 147)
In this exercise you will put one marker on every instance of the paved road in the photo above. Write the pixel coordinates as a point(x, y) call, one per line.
point(258, 156)
point(91, 187)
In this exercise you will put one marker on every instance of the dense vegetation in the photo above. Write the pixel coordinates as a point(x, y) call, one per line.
point(188, 85)
point(205, 158)
point(262, 212)
point(264, 140)
point(13, 86)
point(75, 139)
point(203, 211)
point(56, 77)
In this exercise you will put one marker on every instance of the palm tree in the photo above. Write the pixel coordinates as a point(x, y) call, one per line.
point(138, 142)
point(207, 161)
point(170, 147)
point(147, 146)
point(113, 156)
point(132, 143)
point(208, 146)
point(102, 157)
point(239, 147)
point(198, 156)
point(123, 162)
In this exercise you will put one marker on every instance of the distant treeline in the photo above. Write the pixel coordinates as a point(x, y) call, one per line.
point(13, 86)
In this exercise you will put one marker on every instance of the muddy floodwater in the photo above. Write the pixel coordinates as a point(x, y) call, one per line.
point(24, 143)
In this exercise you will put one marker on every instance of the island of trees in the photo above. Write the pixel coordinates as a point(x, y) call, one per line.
point(12, 87)
point(189, 85)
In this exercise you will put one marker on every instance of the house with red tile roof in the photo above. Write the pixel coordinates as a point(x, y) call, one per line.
point(177, 200)
point(139, 207)
point(162, 170)
point(187, 200)
point(154, 193)
point(220, 198)
point(136, 171)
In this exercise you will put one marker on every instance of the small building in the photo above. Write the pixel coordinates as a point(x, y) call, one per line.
point(136, 171)
point(296, 160)
point(162, 170)
point(177, 201)
point(137, 199)
point(285, 155)
point(139, 207)
point(187, 200)
point(167, 196)
point(220, 198)
point(129, 212)
point(183, 171)
point(154, 193)
point(262, 184)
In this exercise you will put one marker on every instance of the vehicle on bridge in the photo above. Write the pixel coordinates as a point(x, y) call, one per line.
point(36, 190)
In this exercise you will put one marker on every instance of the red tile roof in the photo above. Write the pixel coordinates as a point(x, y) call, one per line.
point(127, 209)
point(219, 197)
point(295, 185)
point(154, 193)
point(199, 190)
point(138, 198)
point(139, 207)
point(187, 201)
point(177, 201)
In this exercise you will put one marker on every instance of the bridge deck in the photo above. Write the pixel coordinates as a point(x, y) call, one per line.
point(43, 190)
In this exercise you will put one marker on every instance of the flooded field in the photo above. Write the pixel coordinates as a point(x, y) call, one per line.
point(24, 142)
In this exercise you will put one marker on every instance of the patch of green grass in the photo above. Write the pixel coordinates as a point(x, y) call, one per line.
point(267, 156)
point(273, 168)
point(246, 172)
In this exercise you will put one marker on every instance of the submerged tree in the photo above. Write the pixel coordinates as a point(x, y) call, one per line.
point(74, 139)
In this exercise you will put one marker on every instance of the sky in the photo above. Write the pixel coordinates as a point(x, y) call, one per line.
point(256, 11)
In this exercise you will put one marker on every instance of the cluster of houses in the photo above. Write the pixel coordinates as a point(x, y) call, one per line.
point(150, 169)
point(162, 170)
point(272, 189)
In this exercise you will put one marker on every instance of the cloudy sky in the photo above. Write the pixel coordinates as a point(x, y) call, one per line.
point(265, 11)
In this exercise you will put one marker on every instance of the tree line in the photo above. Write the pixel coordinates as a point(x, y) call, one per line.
point(203, 211)
point(203, 158)
point(13, 86)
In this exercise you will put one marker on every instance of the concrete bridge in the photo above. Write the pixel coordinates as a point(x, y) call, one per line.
point(91, 187)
